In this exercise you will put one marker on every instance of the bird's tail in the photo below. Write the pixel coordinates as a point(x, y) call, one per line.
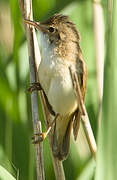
point(61, 137)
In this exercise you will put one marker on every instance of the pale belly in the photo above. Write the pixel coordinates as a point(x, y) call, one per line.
point(57, 84)
point(61, 96)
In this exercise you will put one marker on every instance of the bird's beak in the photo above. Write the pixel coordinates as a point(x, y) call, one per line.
point(37, 25)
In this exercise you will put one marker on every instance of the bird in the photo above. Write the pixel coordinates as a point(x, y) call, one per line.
point(60, 49)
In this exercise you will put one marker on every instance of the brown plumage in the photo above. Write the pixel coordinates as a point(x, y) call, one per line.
point(69, 42)
point(60, 42)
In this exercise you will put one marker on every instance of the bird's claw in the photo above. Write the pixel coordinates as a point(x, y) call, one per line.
point(38, 137)
point(36, 86)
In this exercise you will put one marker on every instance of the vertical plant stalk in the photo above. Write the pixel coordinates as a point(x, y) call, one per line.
point(34, 57)
point(84, 115)
point(58, 167)
point(107, 135)
point(98, 20)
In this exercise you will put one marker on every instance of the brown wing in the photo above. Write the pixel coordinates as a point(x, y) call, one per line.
point(82, 78)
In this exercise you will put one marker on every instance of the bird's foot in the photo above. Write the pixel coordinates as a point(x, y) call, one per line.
point(42, 136)
point(36, 86)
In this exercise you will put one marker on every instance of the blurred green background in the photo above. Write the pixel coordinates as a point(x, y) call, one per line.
point(16, 151)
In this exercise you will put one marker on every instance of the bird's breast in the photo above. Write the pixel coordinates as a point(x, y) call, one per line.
point(56, 81)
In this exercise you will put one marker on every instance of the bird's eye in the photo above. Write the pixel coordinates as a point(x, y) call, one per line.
point(51, 29)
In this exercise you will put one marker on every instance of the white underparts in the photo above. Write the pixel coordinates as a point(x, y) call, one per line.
point(55, 79)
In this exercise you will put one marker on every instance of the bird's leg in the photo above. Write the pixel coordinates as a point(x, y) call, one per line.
point(34, 86)
point(43, 135)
